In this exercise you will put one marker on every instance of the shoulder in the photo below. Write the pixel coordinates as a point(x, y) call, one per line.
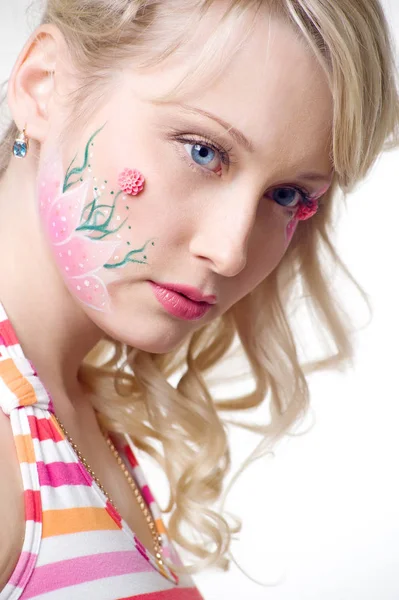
point(12, 511)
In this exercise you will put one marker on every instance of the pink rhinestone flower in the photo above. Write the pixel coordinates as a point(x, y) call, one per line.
point(306, 211)
point(131, 181)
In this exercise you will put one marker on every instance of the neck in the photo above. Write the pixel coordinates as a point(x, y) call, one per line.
point(54, 332)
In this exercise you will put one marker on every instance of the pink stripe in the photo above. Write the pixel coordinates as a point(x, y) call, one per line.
point(44, 429)
point(33, 506)
point(114, 513)
point(23, 570)
point(148, 497)
point(71, 572)
point(8, 336)
point(57, 473)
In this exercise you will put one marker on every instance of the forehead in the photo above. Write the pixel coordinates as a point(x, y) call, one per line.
point(272, 87)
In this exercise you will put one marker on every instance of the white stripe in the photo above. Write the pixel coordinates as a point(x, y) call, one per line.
point(48, 451)
point(32, 528)
point(140, 477)
point(30, 476)
point(19, 421)
point(8, 400)
point(20, 361)
point(10, 592)
point(70, 496)
point(4, 351)
point(14, 351)
point(39, 389)
point(85, 543)
point(156, 512)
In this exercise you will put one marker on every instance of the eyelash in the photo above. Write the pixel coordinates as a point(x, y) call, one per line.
point(307, 197)
point(228, 160)
point(224, 153)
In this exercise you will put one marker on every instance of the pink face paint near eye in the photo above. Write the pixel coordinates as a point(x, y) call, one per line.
point(290, 229)
point(78, 257)
point(307, 210)
point(131, 181)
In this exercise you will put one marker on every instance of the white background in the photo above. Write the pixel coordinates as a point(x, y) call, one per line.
point(324, 513)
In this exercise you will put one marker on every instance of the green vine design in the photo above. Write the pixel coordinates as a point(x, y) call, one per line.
point(95, 222)
point(91, 223)
point(129, 258)
point(79, 170)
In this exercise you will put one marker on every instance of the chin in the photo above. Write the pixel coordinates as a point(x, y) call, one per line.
point(153, 335)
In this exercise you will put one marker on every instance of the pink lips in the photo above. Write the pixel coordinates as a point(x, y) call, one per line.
point(182, 301)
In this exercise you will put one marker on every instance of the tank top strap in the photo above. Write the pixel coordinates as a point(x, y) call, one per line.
point(19, 383)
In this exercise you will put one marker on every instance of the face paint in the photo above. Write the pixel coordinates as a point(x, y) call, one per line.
point(80, 229)
point(309, 208)
point(305, 211)
point(290, 229)
point(131, 181)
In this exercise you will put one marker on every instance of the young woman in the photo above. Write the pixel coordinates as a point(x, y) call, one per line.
point(167, 184)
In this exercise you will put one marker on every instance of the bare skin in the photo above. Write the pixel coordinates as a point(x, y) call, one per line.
point(212, 230)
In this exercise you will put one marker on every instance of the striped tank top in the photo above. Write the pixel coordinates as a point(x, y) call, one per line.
point(76, 545)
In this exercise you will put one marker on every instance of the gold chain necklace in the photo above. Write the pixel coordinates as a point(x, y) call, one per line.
point(156, 537)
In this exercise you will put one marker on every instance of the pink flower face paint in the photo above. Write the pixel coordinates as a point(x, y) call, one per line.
point(78, 257)
point(81, 230)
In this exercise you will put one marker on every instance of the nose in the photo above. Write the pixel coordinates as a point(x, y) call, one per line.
point(222, 236)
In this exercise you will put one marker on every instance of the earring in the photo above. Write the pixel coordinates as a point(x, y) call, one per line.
point(21, 145)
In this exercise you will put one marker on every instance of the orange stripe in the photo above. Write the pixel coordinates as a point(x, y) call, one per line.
point(25, 449)
point(161, 526)
point(18, 384)
point(75, 520)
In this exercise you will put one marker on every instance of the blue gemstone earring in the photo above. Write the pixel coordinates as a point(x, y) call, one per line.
point(21, 145)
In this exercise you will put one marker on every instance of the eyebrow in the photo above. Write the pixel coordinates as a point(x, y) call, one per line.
point(316, 176)
point(243, 141)
point(235, 133)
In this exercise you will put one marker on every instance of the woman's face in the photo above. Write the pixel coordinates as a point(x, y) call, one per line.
point(226, 170)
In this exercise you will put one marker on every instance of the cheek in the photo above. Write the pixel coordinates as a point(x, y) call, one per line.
point(274, 230)
point(267, 247)
point(86, 220)
point(290, 230)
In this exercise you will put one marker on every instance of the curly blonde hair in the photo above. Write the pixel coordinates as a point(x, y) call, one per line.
point(181, 425)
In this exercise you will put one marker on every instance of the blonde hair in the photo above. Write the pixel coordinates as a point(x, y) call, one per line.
point(181, 426)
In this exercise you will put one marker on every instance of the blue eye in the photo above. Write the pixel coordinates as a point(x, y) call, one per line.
point(289, 197)
point(203, 155)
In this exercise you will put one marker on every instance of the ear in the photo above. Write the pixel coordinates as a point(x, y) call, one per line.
point(32, 85)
